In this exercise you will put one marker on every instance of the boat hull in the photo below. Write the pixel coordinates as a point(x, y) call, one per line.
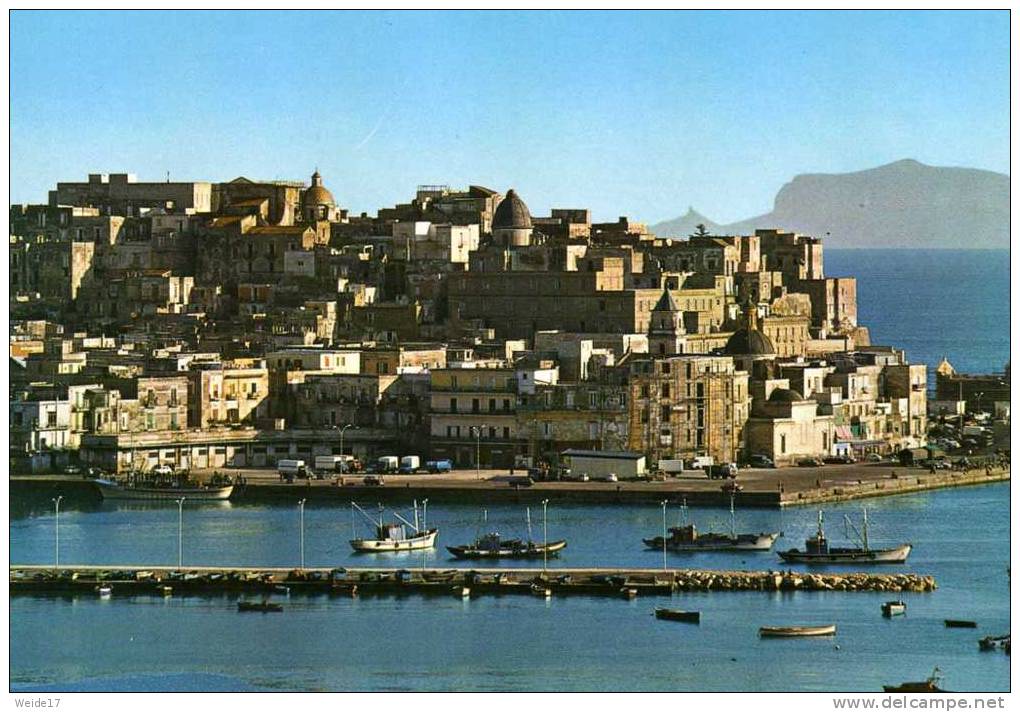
point(535, 552)
point(426, 540)
point(668, 614)
point(897, 555)
point(796, 631)
point(111, 490)
point(742, 542)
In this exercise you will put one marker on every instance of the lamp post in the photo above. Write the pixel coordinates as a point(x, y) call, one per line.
point(545, 536)
point(343, 462)
point(664, 503)
point(56, 531)
point(180, 533)
point(301, 507)
point(980, 393)
point(478, 450)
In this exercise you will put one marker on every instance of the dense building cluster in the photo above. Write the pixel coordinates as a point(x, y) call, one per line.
point(214, 325)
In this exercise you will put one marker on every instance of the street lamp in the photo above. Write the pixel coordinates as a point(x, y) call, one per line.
point(664, 503)
point(478, 450)
point(56, 531)
point(343, 462)
point(180, 533)
point(301, 506)
point(545, 536)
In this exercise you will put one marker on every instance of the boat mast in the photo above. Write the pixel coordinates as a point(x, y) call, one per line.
point(528, 510)
point(733, 518)
point(416, 515)
point(865, 526)
point(821, 534)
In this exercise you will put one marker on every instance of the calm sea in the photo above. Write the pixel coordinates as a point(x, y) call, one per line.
point(931, 303)
point(509, 643)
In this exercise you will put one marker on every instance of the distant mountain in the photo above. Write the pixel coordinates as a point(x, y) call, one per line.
point(686, 224)
point(902, 204)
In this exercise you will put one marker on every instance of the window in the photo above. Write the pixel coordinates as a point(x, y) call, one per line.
point(665, 390)
point(664, 414)
point(474, 405)
point(506, 405)
point(506, 433)
point(492, 405)
point(453, 405)
point(782, 444)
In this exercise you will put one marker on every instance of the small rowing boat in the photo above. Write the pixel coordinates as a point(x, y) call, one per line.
point(796, 631)
point(951, 623)
point(672, 614)
point(929, 685)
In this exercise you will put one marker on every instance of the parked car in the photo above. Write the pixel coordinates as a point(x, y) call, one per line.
point(72, 470)
point(583, 477)
point(809, 462)
point(760, 461)
point(839, 460)
point(611, 477)
point(874, 457)
point(373, 481)
point(723, 471)
point(162, 470)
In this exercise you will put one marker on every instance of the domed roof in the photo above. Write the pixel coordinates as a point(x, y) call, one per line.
point(749, 342)
point(785, 395)
point(317, 193)
point(511, 214)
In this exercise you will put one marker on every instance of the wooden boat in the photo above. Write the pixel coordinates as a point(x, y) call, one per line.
point(104, 591)
point(166, 590)
point(395, 537)
point(953, 623)
point(155, 492)
point(797, 631)
point(258, 607)
point(628, 592)
point(893, 608)
point(491, 546)
point(818, 551)
point(929, 685)
point(672, 614)
point(541, 591)
point(686, 538)
point(462, 592)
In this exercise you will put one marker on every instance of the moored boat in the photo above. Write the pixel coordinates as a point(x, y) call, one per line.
point(955, 623)
point(672, 614)
point(686, 538)
point(492, 546)
point(929, 685)
point(992, 642)
point(155, 492)
point(395, 537)
point(893, 608)
point(818, 551)
point(104, 591)
point(796, 631)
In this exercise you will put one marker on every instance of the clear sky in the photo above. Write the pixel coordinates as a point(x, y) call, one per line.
point(637, 114)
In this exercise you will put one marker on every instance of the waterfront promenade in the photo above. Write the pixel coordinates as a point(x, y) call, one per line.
point(770, 488)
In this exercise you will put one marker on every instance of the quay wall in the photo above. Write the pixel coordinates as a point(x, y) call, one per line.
point(912, 481)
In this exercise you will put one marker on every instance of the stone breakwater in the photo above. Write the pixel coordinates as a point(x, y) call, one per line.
point(796, 581)
point(597, 582)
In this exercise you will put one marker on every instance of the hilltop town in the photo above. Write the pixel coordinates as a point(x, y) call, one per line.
point(202, 325)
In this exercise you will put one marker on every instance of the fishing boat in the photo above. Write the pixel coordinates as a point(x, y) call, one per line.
point(929, 685)
point(162, 490)
point(796, 631)
point(258, 607)
point(818, 551)
point(104, 591)
point(672, 614)
point(462, 592)
point(493, 546)
point(395, 537)
point(992, 642)
point(954, 623)
point(687, 538)
point(893, 608)
point(541, 591)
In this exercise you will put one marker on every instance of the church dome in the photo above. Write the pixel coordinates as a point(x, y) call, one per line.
point(785, 395)
point(749, 342)
point(511, 214)
point(317, 194)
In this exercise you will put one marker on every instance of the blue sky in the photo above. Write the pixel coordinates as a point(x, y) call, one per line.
point(637, 114)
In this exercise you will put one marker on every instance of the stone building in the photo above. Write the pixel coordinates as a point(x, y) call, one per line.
point(121, 194)
point(685, 406)
point(473, 415)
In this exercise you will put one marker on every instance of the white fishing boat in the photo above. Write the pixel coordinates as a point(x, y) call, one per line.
point(116, 490)
point(395, 537)
point(686, 537)
point(818, 551)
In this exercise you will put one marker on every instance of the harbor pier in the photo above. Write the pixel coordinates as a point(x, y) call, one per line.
point(612, 582)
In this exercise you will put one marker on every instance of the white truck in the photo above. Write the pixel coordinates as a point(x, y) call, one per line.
point(289, 469)
point(387, 464)
point(409, 463)
point(702, 462)
point(333, 463)
point(671, 467)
